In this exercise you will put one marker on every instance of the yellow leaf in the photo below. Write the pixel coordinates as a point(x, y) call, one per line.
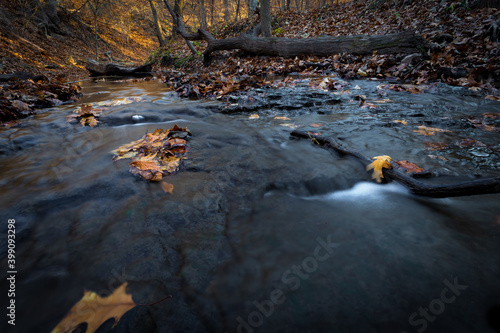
point(254, 116)
point(95, 310)
point(397, 121)
point(424, 130)
point(380, 162)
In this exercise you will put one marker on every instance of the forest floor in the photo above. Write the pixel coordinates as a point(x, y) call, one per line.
point(464, 50)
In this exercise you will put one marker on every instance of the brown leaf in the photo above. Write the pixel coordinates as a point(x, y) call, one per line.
point(409, 167)
point(175, 142)
point(435, 145)
point(167, 187)
point(95, 310)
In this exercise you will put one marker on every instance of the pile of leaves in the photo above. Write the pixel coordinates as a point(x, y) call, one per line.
point(213, 84)
point(20, 97)
point(86, 115)
point(156, 154)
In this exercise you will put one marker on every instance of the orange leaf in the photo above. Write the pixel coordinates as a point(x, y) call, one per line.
point(145, 165)
point(95, 310)
point(167, 187)
point(409, 167)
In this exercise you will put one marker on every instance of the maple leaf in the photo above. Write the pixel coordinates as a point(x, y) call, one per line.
point(380, 162)
point(95, 310)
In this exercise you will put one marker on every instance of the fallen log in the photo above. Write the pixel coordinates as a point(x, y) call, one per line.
point(473, 187)
point(405, 42)
point(110, 69)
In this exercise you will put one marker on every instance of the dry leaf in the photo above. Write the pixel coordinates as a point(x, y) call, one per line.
point(95, 310)
point(281, 118)
point(435, 145)
point(145, 165)
point(253, 116)
point(156, 154)
point(167, 187)
point(397, 121)
point(436, 157)
point(317, 125)
point(380, 162)
point(424, 130)
point(409, 167)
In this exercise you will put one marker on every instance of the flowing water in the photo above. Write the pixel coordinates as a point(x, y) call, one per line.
point(262, 233)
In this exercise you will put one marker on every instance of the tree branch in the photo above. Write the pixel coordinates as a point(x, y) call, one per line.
point(474, 187)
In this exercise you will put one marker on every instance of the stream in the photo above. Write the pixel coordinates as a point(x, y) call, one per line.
point(262, 233)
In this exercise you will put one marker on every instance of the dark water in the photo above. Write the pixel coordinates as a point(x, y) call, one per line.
point(262, 233)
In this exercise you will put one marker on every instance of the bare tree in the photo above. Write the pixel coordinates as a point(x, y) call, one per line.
point(157, 24)
point(265, 17)
point(226, 11)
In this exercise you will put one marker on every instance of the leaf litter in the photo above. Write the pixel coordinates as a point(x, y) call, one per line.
point(156, 154)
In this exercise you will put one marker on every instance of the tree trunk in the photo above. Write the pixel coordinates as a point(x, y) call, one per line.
point(226, 11)
point(403, 42)
point(237, 11)
point(265, 17)
point(203, 15)
point(157, 24)
point(178, 25)
point(179, 9)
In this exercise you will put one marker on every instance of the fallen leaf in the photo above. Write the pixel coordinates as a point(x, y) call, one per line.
point(145, 165)
point(317, 125)
point(435, 145)
point(156, 154)
point(469, 143)
point(436, 157)
point(409, 167)
point(253, 116)
point(424, 130)
point(494, 98)
point(380, 162)
point(397, 121)
point(491, 115)
point(167, 187)
point(95, 310)
point(281, 118)
point(292, 126)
